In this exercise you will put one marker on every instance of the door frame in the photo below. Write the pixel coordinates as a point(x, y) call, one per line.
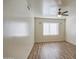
point(42, 38)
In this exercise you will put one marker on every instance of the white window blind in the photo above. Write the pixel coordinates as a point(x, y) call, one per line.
point(50, 28)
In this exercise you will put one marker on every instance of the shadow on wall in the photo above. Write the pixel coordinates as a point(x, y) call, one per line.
point(16, 29)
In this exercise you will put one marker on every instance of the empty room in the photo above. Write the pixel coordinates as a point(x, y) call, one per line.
point(39, 29)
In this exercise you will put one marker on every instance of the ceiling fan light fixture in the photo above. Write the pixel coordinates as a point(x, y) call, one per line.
point(59, 15)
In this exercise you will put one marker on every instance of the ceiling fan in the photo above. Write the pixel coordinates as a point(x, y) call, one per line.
point(62, 13)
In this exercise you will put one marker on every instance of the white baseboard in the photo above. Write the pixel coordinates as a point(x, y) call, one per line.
point(29, 51)
point(72, 42)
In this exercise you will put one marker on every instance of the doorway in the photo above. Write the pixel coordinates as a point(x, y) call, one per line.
point(48, 29)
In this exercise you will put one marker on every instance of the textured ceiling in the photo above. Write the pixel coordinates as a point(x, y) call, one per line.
point(49, 7)
point(66, 2)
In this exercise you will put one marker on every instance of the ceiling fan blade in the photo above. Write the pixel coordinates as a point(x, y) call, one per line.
point(59, 9)
point(65, 12)
point(65, 15)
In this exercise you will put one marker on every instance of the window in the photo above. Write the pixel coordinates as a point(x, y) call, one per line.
point(50, 28)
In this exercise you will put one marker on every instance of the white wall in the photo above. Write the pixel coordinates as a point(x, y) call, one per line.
point(15, 8)
point(18, 29)
point(70, 5)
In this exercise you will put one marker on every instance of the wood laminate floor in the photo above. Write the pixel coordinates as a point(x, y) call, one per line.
point(54, 50)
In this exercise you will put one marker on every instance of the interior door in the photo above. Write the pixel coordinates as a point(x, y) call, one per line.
point(47, 29)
